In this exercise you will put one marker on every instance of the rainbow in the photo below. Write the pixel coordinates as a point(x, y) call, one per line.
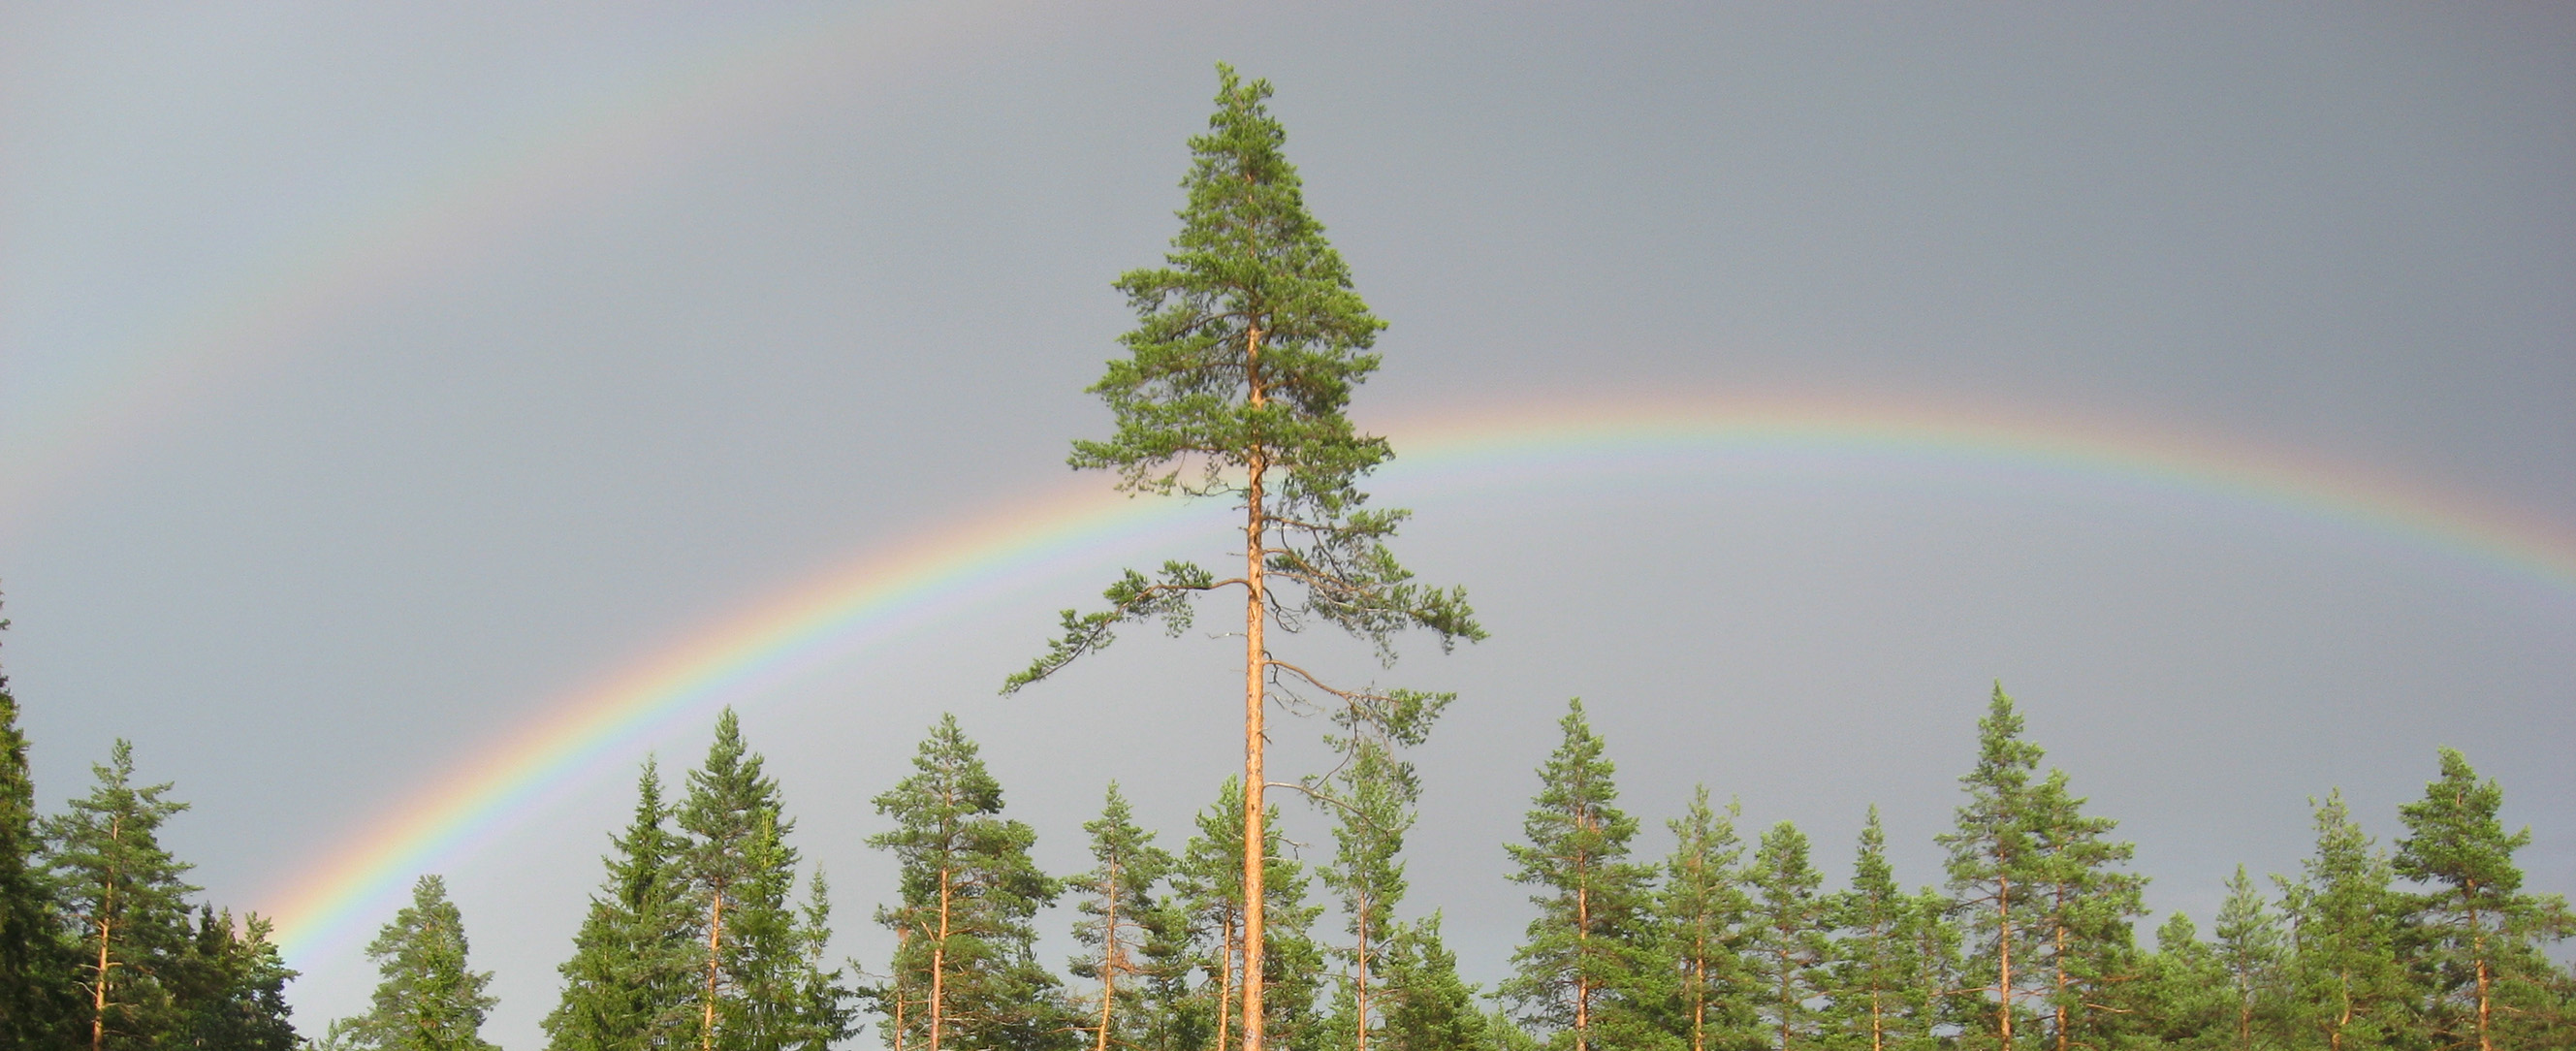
point(954, 567)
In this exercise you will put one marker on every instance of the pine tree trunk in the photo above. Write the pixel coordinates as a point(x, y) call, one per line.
point(1255, 663)
point(2003, 942)
point(1582, 933)
point(2478, 952)
point(1360, 963)
point(715, 964)
point(1225, 985)
point(98, 990)
point(939, 964)
point(1108, 959)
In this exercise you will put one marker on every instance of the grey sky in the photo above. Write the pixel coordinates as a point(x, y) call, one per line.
point(652, 331)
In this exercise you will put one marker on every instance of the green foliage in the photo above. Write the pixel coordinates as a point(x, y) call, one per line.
point(1121, 921)
point(966, 963)
point(1701, 911)
point(1875, 999)
point(428, 998)
point(1585, 975)
point(1373, 797)
point(1249, 341)
point(1996, 868)
point(230, 988)
point(626, 987)
point(2085, 945)
point(1786, 940)
point(36, 1005)
point(2253, 951)
point(2482, 936)
point(125, 902)
point(2350, 989)
point(1427, 1007)
point(756, 977)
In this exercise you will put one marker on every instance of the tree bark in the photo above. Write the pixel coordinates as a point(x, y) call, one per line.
point(1255, 663)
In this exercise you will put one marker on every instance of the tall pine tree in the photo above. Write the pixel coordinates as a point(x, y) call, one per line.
point(1374, 798)
point(2351, 986)
point(1585, 974)
point(1702, 909)
point(1996, 868)
point(2084, 940)
point(1249, 342)
point(2252, 949)
point(749, 954)
point(1876, 1002)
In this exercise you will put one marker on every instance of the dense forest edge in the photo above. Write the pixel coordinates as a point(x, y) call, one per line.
point(709, 932)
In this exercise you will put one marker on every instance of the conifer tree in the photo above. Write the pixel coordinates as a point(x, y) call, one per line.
point(626, 987)
point(2083, 938)
point(2251, 948)
point(1249, 342)
point(1996, 870)
point(2351, 988)
point(429, 999)
point(2177, 996)
point(748, 953)
point(230, 988)
point(968, 903)
point(1427, 1007)
point(1786, 937)
point(2485, 933)
point(1875, 1001)
point(1375, 794)
point(1584, 974)
point(35, 980)
point(125, 900)
point(1702, 908)
point(1120, 909)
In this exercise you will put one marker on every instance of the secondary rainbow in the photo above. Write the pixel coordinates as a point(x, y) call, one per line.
point(952, 568)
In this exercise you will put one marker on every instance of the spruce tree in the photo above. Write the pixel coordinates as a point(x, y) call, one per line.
point(35, 977)
point(966, 917)
point(748, 952)
point(126, 903)
point(1787, 947)
point(1120, 912)
point(1426, 1007)
point(1585, 973)
point(2252, 949)
point(1876, 1002)
point(1250, 340)
point(1702, 908)
point(229, 986)
point(2485, 934)
point(429, 999)
point(626, 987)
point(1996, 869)
point(2177, 996)
point(2351, 988)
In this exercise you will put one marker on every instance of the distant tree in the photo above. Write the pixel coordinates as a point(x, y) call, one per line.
point(1786, 938)
point(750, 958)
point(1584, 973)
point(2252, 950)
point(2084, 943)
point(966, 914)
point(1875, 1001)
point(1701, 909)
point(1120, 910)
point(626, 987)
point(1373, 795)
point(429, 999)
point(2176, 997)
point(2485, 934)
point(1996, 867)
point(125, 900)
point(2351, 988)
point(229, 986)
point(1427, 1007)
point(35, 965)
point(1249, 343)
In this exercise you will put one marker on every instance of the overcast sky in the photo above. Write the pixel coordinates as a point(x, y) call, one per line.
point(373, 376)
